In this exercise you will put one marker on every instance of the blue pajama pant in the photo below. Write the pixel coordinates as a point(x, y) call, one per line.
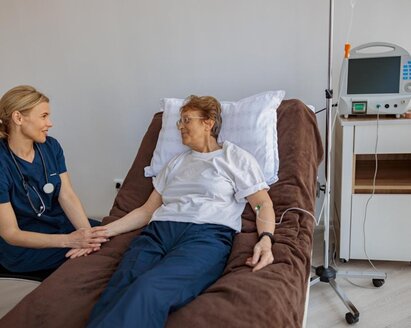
point(166, 267)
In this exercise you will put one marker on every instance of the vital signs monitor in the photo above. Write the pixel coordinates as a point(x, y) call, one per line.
point(375, 82)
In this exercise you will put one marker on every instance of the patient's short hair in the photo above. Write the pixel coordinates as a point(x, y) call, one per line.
point(209, 107)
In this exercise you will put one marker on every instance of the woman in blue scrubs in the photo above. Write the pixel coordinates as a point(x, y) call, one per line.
point(42, 221)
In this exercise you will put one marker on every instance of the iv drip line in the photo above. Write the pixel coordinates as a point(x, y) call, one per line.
point(353, 3)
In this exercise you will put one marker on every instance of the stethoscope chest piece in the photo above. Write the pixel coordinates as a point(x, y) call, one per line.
point(48, 188)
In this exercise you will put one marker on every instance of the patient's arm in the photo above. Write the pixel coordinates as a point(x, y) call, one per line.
point(262, 255)
point(137, 218)
point(134, 220)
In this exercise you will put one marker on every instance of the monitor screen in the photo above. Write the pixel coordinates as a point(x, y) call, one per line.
point(374, 75)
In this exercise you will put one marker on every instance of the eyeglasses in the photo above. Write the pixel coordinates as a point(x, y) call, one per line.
point(187, 119)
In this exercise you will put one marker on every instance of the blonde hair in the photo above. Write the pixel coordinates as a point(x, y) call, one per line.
point(21, 98)
point(209, 107)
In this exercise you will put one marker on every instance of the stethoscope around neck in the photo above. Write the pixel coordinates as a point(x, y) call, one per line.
point(48, 188)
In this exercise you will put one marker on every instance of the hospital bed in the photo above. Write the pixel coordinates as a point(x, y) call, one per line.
point(272, 297)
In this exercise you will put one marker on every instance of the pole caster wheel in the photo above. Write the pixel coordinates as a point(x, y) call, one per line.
point(378, 282)
point(351, 318)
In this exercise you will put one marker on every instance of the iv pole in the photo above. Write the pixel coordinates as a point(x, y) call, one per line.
point(326, 273)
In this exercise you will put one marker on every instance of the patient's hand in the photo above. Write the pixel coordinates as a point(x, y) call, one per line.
point(262, 256)
point(86, 238)
point(78, 252)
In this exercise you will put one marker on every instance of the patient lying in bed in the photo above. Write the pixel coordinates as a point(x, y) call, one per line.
point(192, 214)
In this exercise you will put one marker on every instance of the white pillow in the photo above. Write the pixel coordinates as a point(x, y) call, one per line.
point(250, 123)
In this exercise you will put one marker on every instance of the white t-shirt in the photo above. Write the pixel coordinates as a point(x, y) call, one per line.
point(208, 187)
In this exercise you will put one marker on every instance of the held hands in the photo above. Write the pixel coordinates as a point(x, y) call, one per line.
point(86, 238)
point(79, 252)
point(262, 256)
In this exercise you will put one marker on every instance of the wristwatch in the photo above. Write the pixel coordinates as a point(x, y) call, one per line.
point(266, 233)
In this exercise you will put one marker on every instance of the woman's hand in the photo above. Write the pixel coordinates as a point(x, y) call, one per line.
point(262, 256)
point(86, 238)
point(79, 252)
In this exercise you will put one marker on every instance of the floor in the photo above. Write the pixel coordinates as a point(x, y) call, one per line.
point(387, 306)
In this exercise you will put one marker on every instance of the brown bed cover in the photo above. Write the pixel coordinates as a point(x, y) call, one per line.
point(272, 297)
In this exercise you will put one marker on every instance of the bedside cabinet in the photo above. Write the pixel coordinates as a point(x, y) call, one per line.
point(385, 232)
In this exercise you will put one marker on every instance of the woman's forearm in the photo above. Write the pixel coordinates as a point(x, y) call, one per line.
point(30, 239)
point(264, 210)
point(13, 235)
point(71, 204)
point(74, 210)
point(82, 238)
point(136, 219)
point(265, 218)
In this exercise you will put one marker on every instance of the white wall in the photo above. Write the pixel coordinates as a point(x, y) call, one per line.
point(106, 63)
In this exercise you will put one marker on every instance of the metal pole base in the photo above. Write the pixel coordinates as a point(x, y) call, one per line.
point(329, 274)
point(326, 273)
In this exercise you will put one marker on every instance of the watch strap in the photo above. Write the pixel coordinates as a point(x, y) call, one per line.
point(266, 233)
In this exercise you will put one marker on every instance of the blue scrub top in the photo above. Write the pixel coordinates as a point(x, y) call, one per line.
point(53, 220)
